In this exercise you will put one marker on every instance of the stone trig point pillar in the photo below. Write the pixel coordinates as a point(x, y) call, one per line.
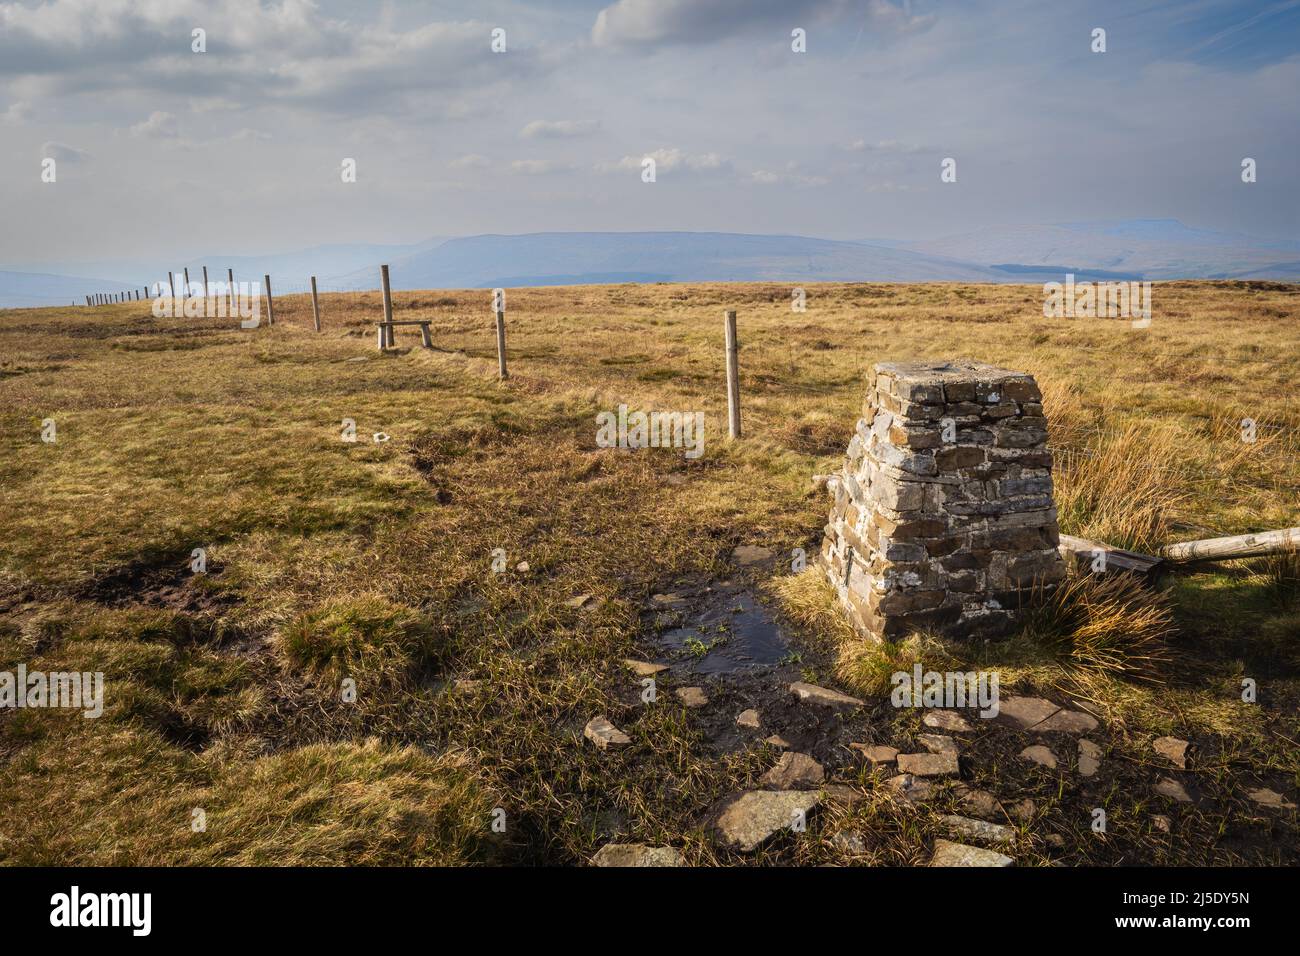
point(943, 517)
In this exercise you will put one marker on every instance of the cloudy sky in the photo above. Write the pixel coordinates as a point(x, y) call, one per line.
point(161, 150)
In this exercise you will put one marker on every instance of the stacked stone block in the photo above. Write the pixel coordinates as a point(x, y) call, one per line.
point(943, 517)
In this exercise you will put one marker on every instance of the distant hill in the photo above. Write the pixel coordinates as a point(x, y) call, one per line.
point(1151, 248)
point(1130, 249)
point(574, 258)
point(34, 290)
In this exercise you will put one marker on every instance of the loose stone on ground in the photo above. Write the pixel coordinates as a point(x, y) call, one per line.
point(637, 854)
point(937, 744)
point(823, 696)
point(946, 720)
point(1172, 749)
point(1270, 798)
point(692, 696)
point(604, 734)
point(1168, 787)
point(877, 755)
point(747, 820)
point(947, 853)
point(748, 718)
point(644, 668)
point(1040, 755)
point(1089, 757)
point(979, 831)
point(794, 771)
point(929, 765)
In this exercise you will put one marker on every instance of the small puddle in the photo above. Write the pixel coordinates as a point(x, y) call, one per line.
point(726, 631)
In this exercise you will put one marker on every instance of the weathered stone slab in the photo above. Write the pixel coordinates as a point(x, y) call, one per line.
point(794, 771)
point(948, 720)
point(748, 718)
point(1068, 721)
point(1168, 787)
point(1040, 755)
point(823, 696)
point(947, 853)
point(604, 734)
point(1024, 713)
point(1173, 749)
point(748, 820)
point(1089, 758)
point(692, 696)
point(637, 854)
point(1270, 798)
point(978, 831)
point(929, 765)
point(644, 668)
point(877, 755)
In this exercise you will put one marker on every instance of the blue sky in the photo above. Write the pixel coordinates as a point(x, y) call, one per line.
point(164, 151)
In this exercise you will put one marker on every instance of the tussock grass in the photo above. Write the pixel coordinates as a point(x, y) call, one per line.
point(367, 638)
point(1122, 487)
point(1104, 627)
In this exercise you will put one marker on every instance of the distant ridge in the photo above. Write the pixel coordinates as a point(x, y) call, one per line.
point(1151, 249)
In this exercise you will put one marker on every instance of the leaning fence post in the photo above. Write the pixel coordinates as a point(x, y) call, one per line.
point(230, 290)
point(205, 284)
point(733, 377)
point(185, 292)
point(315, 304)
point(270, 306)
point(388, 338)
point(501, 336)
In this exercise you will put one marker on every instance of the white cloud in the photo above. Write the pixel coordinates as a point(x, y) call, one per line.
point(159, 125)
point(558, 129)
point(670, 160)
point(17, 113)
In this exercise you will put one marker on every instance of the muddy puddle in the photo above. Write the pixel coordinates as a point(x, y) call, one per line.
point(720, 629)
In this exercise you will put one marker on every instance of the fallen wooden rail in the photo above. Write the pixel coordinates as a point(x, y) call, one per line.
point(1085, 553)
point(1255, 545)
point(1096, 555)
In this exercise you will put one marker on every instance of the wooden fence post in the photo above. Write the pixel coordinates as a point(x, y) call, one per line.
point(185, 292)
point(230, 289)
point(501, 344)
point(389, 338)
point(205, 284)
point(171, 286)
point(270, 306)
point(733, 377)
point(315, 304)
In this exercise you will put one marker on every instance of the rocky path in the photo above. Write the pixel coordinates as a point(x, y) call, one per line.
point(968, 775)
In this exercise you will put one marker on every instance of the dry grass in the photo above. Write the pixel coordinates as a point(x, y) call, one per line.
point(373, 560)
